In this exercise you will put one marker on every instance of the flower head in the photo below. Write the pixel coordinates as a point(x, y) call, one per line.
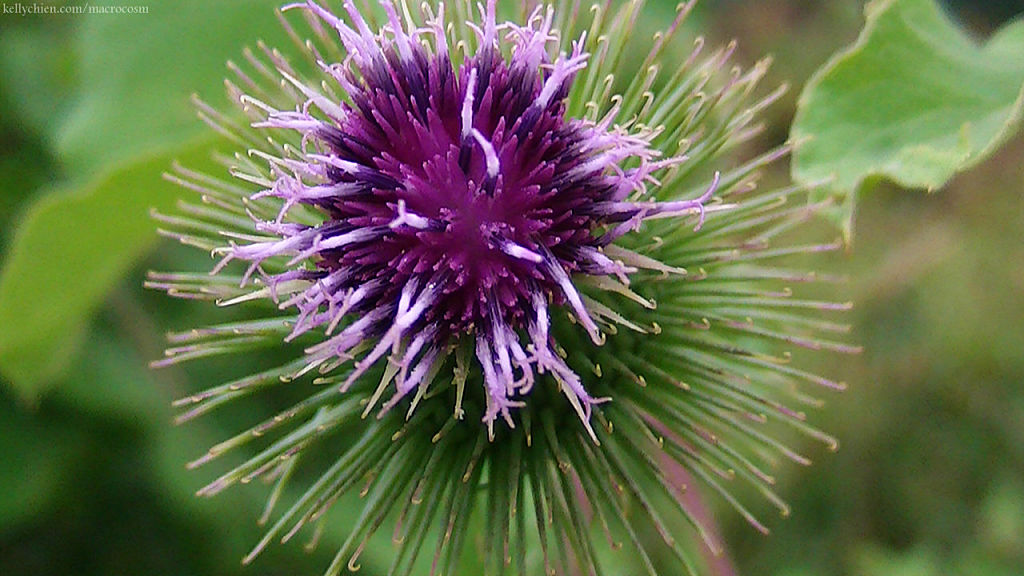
point(445, 208)
point(457, 203)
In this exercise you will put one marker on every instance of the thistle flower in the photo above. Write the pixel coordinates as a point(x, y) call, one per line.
point(472, 229)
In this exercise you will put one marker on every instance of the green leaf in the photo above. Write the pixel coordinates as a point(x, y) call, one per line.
point(44, 47)
point(71, 247)
point(922, 560)
point(36, 463)
point(137, 73)
point(132, 115)
point(914, 100)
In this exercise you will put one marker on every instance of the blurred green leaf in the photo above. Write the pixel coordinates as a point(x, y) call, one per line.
point(138, 71)
point(914, 100)
point(35, 462)
point(27, 104)
point(22, 171)
point(71, 247)
point(1002, 526)
point(877, 561)
point(114, 384)
point(131, 117)
point(37, 69)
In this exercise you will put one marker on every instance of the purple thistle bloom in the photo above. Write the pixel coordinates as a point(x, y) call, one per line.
point(440, 212)
point(458, 203)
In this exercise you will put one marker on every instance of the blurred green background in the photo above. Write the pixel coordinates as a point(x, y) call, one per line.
point(930, 476)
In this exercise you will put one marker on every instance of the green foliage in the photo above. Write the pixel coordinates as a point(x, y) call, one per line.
point(92, 472)
point(130, 118)
point(42, 453)
point(914, 100)
point(35, 98)
point(137, 73)
point(71, 248)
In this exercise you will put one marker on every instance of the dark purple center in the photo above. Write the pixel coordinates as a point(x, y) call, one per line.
point(481, 207)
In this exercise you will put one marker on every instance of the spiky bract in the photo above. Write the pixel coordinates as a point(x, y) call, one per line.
point(454, 216)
